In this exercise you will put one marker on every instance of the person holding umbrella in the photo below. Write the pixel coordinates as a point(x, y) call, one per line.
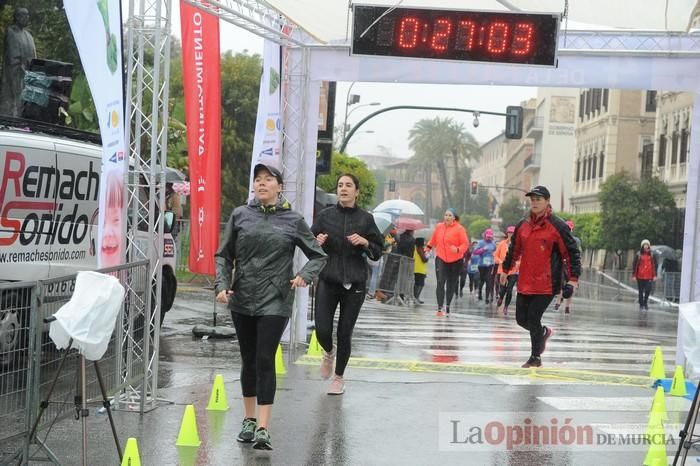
point(644, 271)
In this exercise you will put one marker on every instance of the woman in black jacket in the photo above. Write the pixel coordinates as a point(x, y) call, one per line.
point(347, 234)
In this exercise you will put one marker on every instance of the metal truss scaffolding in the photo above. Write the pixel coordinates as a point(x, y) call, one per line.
point(148, 61)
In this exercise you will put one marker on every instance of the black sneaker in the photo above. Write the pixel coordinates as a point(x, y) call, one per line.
point(547, 333)
point(262, 439)
point(534, 361)
point(247, 430)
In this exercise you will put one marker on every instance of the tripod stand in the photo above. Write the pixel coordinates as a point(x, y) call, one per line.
point(80, 406)
point(684, 445)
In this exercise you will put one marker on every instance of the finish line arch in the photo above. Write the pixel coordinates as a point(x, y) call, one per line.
point(622, 59)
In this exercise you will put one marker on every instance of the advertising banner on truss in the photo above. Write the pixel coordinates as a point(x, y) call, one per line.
point(201, 61)
point(96, 27)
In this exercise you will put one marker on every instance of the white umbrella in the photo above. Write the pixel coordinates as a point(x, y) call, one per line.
point(399, 206)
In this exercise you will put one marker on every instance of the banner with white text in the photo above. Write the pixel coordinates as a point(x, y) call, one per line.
point(96, 27)
point(201, 62)
point(266, 145)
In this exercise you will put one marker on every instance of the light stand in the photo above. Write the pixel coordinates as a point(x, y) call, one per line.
point(80, 405)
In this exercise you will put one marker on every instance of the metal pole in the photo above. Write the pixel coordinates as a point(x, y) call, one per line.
point(345, 120)
point(83, 407)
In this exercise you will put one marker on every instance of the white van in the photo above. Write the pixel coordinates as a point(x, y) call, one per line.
point(49, 189)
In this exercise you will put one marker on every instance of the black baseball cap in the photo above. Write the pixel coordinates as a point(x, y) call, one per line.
point(539, 191)
point(274, 171)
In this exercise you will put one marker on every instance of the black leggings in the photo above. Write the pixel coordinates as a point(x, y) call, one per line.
point(644, 287)
point(328, 296)
point(508, 288)
point(258, 338)
point(528, 313)
point(486, 278)
point(447, 277)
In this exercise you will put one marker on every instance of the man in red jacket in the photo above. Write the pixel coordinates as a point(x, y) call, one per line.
point(544, 245)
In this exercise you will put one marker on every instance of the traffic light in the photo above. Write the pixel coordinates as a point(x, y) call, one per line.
point(514, 122)
point(475, 188)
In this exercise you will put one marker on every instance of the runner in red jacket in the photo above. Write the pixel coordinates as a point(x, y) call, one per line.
point(544, 245)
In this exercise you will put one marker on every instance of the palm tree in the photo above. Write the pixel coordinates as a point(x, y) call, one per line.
point(433, 141)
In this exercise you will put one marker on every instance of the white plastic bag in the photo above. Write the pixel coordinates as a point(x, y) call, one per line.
point(90, 315)
point(689, 337)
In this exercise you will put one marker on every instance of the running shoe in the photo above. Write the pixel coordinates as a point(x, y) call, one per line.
point(247, 433)
point(547, 333)
point(567, 310)
point(327, 363)
point(439, 313)
point(337, 386)
point(262, 439)
point(534, 361)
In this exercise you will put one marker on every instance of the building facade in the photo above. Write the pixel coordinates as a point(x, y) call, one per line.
point(613, 128)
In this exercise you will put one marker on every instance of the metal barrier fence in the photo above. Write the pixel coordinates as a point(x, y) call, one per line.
point(618, 285)
point(31, 360)
point(396, 279)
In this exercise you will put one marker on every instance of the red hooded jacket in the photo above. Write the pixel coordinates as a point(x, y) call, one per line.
point(544, 246)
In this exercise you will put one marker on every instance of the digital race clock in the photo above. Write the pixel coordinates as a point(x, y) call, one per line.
point(484, 36)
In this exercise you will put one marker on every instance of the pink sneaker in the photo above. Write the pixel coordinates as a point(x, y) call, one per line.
point(327, 364)
point(337, 386)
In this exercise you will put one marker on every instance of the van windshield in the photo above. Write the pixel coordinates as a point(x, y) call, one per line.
point(42, 83)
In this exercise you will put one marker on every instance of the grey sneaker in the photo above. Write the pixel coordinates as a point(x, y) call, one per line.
point(247, 430)
point(262, 439)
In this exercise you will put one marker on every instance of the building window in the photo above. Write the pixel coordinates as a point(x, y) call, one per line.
point(589, 102)
point(650, 104)
point(674, 148)
point(594, 170)
point(596, 100)
point(684, 146)
point(647, 160)
point(590, 168)
point(581, 104)
point(578, 170)
point(601, 164)
point(662, 151)
point(605, 99)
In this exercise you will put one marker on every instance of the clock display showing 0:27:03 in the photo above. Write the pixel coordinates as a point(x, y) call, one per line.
point(495, 38)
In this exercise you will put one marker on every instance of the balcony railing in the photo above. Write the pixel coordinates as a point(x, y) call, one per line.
point(536, 124)
point(533, 161)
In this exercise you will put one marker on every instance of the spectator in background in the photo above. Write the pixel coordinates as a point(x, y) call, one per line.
point(18, 54)
point(450, 241)
point(174, 205)
point(644, 271)
point(473, 269)
point(407, 244)
point(420, 268)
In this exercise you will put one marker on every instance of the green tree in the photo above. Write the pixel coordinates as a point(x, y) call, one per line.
point(477, 205)
point(340, 164)
point(433, 141)
point(588, 228)
point(477, 228)
point(512, 210)
point(240, 82)
point(631, 211)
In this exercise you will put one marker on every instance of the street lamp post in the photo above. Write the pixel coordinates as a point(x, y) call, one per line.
point(347, 114)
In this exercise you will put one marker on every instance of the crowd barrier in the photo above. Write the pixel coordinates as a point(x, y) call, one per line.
point(29, 364)
point(396, 279)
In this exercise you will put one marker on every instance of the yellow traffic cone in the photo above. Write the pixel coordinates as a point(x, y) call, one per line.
point(131, 453)
point(657, 365)
point(188, 436)
point(279, 362)
point(678, 383)
point(656, 454)
point(658, 406)
point(217, 399)
point(314, 348)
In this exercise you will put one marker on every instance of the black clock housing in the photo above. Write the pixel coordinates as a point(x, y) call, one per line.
point(481, 36)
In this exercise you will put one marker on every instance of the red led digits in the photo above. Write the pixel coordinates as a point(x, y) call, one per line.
point(498, 38)
point(408, 32)
point(466, 35)
point(523, 38)
point(441, 34)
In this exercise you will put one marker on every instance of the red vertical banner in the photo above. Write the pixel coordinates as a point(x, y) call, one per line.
point(201, 62)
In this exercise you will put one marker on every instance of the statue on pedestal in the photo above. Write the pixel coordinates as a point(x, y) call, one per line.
point(19, 52)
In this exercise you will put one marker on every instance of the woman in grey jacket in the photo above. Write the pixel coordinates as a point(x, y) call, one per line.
point(260, 240)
